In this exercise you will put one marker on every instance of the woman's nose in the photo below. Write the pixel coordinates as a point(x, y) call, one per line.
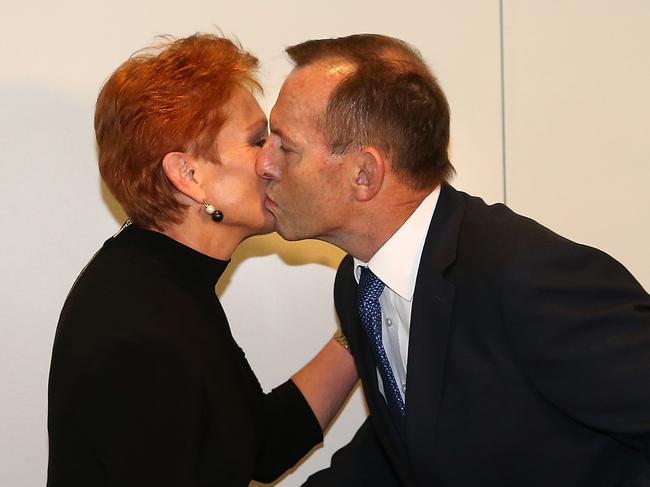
point(270, 159)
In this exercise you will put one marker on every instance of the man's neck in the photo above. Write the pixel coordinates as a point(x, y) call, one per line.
point(377, 223)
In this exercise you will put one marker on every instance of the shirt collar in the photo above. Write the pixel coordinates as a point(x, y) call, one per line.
point(396, 263)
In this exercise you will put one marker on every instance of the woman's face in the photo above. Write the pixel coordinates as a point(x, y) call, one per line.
point(232, 185)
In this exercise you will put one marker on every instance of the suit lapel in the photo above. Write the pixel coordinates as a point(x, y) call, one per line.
point(431, 315)
point(387, 433)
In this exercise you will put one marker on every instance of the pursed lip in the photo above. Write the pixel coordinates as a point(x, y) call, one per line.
point(269, 203)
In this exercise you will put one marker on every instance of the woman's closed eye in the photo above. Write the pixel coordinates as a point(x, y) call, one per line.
point(259, 139)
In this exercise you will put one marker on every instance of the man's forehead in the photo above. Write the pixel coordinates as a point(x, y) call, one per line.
point(326, 73)
point(307, 89)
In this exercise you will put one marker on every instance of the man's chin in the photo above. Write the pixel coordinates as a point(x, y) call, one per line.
point(285, 233)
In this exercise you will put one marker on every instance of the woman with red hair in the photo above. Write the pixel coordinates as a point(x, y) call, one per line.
point(147, 385)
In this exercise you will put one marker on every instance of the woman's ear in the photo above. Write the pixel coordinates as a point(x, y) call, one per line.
point(370, 169)
point(183, 172)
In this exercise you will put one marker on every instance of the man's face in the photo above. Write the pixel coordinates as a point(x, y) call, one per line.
point(309, 189)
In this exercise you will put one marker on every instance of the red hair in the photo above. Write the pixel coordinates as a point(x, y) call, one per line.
point(165, 99)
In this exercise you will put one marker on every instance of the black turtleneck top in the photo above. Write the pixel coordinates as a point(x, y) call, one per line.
point(147, 385)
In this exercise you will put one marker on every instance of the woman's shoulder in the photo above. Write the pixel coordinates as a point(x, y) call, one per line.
point(124, 292)
point(115, 274)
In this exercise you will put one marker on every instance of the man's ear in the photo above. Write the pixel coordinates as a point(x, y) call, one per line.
point(183, 172)
point(370, 170)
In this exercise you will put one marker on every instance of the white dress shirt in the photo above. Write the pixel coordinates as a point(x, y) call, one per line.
point(396, 263)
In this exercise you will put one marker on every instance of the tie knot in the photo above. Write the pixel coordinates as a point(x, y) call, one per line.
point(370, 286)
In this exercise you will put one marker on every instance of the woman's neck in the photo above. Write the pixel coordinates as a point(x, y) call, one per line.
point(217, 240)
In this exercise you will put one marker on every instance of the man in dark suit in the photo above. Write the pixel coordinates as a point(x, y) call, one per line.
point(492, 351)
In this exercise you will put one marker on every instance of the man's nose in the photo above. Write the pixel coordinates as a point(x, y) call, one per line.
point(269, 161)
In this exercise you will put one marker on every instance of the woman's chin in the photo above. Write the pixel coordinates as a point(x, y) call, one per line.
point(266, 226)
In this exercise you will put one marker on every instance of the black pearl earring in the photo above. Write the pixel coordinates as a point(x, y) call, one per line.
point(216, 215)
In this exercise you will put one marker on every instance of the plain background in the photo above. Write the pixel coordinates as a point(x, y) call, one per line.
point(549, 108)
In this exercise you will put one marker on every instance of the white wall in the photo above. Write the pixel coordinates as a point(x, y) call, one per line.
point(54, 212)
point(577, 130)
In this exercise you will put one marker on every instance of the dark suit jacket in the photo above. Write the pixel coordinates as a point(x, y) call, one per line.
point(528, 365)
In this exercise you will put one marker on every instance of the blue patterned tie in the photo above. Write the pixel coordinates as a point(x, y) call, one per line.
point(370, 287)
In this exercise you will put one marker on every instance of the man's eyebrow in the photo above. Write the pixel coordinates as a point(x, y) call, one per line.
point(280, 133)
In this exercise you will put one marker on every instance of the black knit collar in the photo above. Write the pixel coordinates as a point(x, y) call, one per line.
point(201, 268)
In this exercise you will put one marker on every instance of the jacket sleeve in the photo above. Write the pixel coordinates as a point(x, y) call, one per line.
point(360, 463)
point(291, 431)
point(579, 324)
